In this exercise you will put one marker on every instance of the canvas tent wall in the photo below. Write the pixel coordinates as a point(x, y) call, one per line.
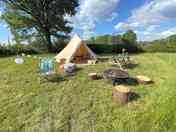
point(76, 51)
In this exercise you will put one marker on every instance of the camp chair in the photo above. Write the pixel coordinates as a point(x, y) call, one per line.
point(46, 67)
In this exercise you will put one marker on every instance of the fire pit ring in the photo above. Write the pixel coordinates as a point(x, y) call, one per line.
point(115, 74)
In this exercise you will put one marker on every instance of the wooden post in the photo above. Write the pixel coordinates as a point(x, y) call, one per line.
point(121, 94)
point(60, 69)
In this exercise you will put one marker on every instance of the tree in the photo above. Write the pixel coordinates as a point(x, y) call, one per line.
point(117, 39)
point(130, 37)
point(42, 17)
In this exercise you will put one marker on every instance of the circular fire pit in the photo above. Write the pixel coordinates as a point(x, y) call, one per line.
point(118, 76)
point(115, 74)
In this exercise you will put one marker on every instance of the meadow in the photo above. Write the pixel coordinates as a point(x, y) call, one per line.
point(77, 104)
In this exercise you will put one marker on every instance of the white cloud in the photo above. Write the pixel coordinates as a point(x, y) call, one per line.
point(152, 28)
point(97, 9)
point(154, 13)
point(154, 35)
point(150, 17)
point(114, 15)
point(92, 12)
point(4, 25)
point(168, 33)
point(122, 25)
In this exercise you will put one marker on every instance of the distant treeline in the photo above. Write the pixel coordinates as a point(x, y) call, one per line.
point(106, 44)
point(115, 43)
point(162, 45)
point(100, 44)
point(36, 47)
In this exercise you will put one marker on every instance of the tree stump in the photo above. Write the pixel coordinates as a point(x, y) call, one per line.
point(60, 69)
point(93, 76)
point(143, 79)
point(121, 94)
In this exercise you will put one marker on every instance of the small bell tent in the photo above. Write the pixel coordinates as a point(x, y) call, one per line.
point(76, 52)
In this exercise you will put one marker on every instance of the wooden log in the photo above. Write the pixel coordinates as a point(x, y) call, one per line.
point(60, 69)
point(92, 62)
point(93, 76)
point(121, 94)
point(143, 79)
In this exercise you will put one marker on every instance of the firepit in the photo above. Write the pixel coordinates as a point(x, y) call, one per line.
point(117, 75)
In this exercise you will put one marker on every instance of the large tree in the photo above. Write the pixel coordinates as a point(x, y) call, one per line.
point(130, 37)
point(42, 17)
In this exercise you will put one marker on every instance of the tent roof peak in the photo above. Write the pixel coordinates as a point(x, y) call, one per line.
point(77, 38)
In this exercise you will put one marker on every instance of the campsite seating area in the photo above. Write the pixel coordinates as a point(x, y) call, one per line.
point(77, 53)
point(119, 76)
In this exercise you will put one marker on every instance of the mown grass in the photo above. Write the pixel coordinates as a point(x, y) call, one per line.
point(79, 105)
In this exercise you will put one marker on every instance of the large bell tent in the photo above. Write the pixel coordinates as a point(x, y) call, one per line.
point(76, 52)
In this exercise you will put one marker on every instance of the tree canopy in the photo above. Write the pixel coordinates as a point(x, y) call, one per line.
point(129, 38)
point(44, 18)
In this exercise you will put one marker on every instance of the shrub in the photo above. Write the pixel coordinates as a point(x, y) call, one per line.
point(157, 47)
point(105, 48)
point(8, 50)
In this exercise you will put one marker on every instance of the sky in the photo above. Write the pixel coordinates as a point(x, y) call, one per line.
point(150, 19)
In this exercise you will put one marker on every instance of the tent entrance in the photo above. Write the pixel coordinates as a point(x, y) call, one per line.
point(81, 59)
point(82, 55)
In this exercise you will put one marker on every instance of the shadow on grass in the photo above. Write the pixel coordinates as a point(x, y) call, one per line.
point(131, 66)
point(54, 78)
point(134, 96)
point(131, 81)
point(78, 69)
point(126, 66)
point(103, 59)
point(128, 81)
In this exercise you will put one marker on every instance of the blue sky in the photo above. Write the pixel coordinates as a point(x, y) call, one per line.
point(150, 19)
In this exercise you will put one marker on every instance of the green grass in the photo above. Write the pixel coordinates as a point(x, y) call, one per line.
point(26, 105)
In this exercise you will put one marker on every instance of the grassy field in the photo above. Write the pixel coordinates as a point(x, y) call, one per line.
point(77, 104)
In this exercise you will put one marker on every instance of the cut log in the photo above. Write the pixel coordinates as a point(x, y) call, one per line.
point(121, 94)
point(92, 62)
point(60, 69)
point(93, 76)
point(143, 79)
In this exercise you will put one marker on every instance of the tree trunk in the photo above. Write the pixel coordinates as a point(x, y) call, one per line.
point(49, 42)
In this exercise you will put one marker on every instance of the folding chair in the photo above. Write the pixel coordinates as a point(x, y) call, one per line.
point(47, 68)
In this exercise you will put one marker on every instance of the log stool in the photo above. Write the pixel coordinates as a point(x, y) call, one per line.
point(60, 69)
point(143, 79)
point(93, 76)
point(121, 94)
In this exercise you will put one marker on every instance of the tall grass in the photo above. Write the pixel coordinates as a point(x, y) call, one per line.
point(26, 104)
